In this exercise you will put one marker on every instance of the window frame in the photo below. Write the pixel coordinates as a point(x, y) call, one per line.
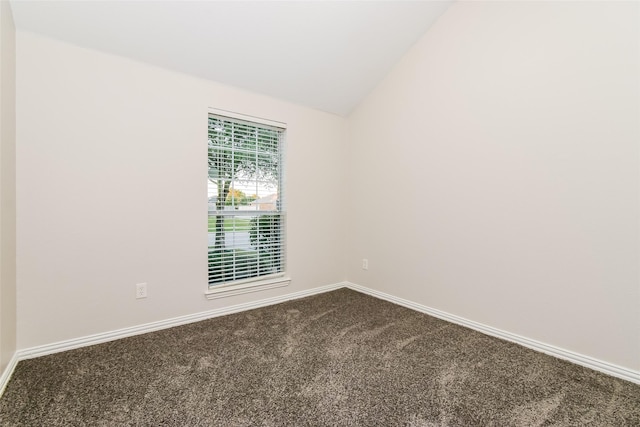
point(267, 281)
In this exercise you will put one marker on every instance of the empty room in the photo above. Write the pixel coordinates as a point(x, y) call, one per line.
point(319, 213)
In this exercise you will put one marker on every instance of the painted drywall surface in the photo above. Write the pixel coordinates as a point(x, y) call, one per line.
point(111, 169)
point(494, 174)
point(7, 187)
point(326, 55)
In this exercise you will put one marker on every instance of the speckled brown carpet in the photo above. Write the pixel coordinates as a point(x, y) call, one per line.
point(336, 359)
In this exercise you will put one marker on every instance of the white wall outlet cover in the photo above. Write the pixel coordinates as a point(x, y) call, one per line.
point(141, 290)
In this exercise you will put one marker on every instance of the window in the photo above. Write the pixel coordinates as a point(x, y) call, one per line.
point(246, 216)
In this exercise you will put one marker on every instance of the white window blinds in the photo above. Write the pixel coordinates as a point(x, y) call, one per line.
point(246, 216)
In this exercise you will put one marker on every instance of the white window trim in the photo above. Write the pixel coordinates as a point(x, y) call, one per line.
point(245, 288)
point(278, 280)
point(247, 118)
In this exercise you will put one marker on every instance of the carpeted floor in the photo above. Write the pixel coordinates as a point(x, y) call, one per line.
point(335, 359)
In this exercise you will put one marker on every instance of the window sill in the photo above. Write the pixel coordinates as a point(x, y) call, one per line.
point(245, 288)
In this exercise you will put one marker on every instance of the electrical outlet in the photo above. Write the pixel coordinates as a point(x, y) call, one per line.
point(141, 290)
point(365, 264)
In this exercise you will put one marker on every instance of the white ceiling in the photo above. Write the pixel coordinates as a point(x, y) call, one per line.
point(323, 54)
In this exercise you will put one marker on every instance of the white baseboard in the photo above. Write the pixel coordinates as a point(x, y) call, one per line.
point(85, 341)
point(8, 371)
point(578, 359)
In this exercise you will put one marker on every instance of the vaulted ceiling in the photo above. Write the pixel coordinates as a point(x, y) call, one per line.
point(323, 54)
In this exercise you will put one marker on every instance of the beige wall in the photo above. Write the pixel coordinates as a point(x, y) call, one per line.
point(7, 186)
point(494, 174)
point(112, 191)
